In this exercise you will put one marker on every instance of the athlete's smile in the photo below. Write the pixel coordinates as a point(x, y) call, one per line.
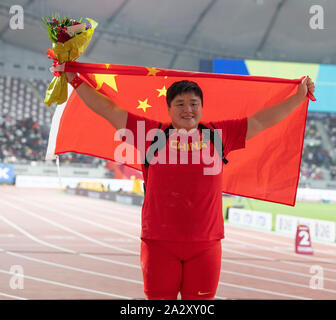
point(185, 111)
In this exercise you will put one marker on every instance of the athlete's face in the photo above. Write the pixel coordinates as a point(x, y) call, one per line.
point(186, 111)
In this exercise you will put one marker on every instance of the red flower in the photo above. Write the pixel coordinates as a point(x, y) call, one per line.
point(62, 36)
point(75, 23)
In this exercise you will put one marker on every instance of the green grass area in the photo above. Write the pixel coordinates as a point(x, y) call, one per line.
point(313, 210)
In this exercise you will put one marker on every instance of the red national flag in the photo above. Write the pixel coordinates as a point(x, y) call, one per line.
point(267, 169)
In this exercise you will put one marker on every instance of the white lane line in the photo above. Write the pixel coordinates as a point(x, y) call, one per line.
point(112, 206)
point(61, 284)
point(134, 210)
point(234, 262)
point(103, 210)
point(255, 256)
point(31, 213)
point(120, 240)
point(310, 258)
point(108, 260)
point(73, 252)
point(276, 281)
point(274, 234)
point(84, 270)
point(244, 244)
point(263, 257)
point(288, 238)
point(77, 269)
point(279, 250)
point(106, 275)
point(11, 296)
point(99, 225)
point(87, 255)
point(267, 268)
point(302, 264)
point(274, 293)
point(58, 237)
point(93, 213)
point(30, 236)
point(241, 231)
point(51, 245)
point(73, 268)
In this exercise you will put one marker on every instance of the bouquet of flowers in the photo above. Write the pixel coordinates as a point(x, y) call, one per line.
point(70, 39)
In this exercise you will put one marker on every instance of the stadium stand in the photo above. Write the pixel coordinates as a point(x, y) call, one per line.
point(318, 160)
point(21, 99)
point(25, 123)
point(22, 140)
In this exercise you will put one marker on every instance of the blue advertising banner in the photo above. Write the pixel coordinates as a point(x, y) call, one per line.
point(323, 75)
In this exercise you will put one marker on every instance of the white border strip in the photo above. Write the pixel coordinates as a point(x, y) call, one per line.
point(10, 296)
point(54, 127)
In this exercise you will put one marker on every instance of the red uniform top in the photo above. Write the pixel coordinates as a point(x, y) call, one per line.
point(182, 201)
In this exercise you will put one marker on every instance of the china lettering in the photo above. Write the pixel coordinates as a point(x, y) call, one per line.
point(191, 146)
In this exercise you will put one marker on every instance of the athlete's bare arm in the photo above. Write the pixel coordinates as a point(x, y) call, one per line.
point(268, 117)
point(100, 104)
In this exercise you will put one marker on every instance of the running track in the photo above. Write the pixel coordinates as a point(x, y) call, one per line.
point(72, 247)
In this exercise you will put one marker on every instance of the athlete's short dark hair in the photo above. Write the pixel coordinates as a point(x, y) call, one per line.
point(183, 86)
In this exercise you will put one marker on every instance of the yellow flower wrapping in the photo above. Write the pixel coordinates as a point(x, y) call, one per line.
point(70, 50)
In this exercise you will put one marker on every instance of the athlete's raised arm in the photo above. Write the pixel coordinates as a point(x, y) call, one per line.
point(100, 104)
point(268, 117)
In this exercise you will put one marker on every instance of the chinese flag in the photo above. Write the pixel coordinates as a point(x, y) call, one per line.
point(267, 169)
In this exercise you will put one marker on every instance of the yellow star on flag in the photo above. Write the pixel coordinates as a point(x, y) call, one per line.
point(152, 71)
point(143, 105)
point(109, 79)
point(162, 92)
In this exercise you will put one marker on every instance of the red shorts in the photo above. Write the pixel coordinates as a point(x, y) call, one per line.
point(170, 267)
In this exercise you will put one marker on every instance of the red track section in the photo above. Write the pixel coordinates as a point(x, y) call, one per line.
point(71, 247)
